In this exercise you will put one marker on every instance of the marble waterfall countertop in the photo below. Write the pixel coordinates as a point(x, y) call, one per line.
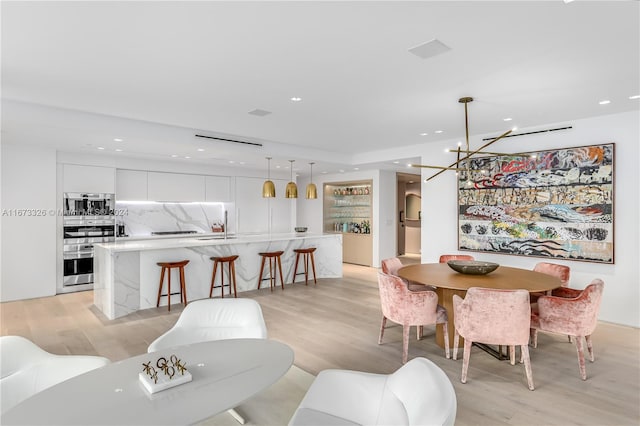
point(126, 274)
point(195, 240)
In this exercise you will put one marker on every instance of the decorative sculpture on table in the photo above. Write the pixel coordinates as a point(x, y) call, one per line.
point(173, 373)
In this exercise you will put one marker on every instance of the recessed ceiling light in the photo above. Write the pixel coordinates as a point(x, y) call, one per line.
point(101, 148)
point(424, 134)
point(507, 119)
point(634, 97)
point(187, 157)
point(324, 172)
point(118, 140)
point(410, 181)
point(242, 162)
point(174, 155)
point(396, 162)
point(118, 150)
point(341, 170)
point(438, 131)
point(567, 1)
point(296, 99)
point(277, 167)
point(356, 168)
point(200, 149)
point(605, 102)
point(231, 161)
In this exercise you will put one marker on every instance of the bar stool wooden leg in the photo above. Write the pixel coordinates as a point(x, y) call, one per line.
point(306, 268)
point(169, 290)
point(232, 272)
point(272, 262)
point(295, 268)
point(222, 281)
point(261, 272)
point(280, 267)
point(183, 287)
point(313, 267)
point(213, 277)
point(160, 286)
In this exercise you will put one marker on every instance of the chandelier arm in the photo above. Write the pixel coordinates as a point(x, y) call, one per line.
point(468, 155)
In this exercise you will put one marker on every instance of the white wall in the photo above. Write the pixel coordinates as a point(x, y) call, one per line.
point(621, 301)
point(28, 266)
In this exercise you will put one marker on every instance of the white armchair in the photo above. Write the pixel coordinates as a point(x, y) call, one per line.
point(215, 319)
point(418, 393)
point(26, 369)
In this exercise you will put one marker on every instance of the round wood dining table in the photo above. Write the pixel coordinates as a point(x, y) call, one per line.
point(449, 282)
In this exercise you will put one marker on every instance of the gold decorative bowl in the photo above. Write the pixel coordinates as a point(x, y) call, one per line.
point(472, 267)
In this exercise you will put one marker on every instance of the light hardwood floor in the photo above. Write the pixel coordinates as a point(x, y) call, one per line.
point(335, 324)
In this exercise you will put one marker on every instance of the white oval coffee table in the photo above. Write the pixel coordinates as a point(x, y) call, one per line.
point(225, 373)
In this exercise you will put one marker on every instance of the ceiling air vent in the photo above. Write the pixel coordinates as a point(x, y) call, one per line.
point(430, 49)
point(259, 112)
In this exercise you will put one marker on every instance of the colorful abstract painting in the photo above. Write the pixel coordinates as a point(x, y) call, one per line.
point(555, 204)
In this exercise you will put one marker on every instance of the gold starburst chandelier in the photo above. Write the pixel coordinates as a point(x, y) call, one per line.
point(466, 153)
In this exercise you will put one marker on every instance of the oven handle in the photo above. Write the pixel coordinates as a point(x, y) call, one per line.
point(77, 255)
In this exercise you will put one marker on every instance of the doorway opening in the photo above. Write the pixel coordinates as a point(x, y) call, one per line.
point(409, 214)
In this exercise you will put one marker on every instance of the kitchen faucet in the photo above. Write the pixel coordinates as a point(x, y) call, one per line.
point(225, 224)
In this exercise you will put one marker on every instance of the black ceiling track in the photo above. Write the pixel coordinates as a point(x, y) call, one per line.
point(229, 140)
point(531, 133)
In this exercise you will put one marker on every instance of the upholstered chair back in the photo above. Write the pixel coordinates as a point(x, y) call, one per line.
point(561, 271)
point(577, 316)
point(403, 306)
point(447, 257)
point(390, 266)
point(26, 369)
point(426, 393)
point(214, 319)
point(493, 316)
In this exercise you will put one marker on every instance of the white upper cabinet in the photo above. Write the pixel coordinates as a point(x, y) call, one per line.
point(259, 215)
point(175, 187)
point(91, 179)
point(251, 209)
point(217, 188)
point(131, 185)
point(280, 209)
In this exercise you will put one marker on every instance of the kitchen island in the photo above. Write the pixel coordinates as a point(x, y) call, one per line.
point(126, 274)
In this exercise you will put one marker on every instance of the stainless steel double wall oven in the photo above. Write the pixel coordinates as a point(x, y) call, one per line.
point(88, 219)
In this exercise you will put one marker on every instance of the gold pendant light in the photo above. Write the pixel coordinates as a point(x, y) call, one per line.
point(268, 188)
point(312, 191)
point(292, 189)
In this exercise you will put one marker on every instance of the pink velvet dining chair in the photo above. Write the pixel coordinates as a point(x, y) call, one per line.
point(447, 257)
point(390, 267)
point(493, 316)
point(562, 272)
point(409, 308)
point(571, 312)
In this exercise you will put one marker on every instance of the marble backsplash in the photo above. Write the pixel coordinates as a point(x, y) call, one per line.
point(141, 219)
